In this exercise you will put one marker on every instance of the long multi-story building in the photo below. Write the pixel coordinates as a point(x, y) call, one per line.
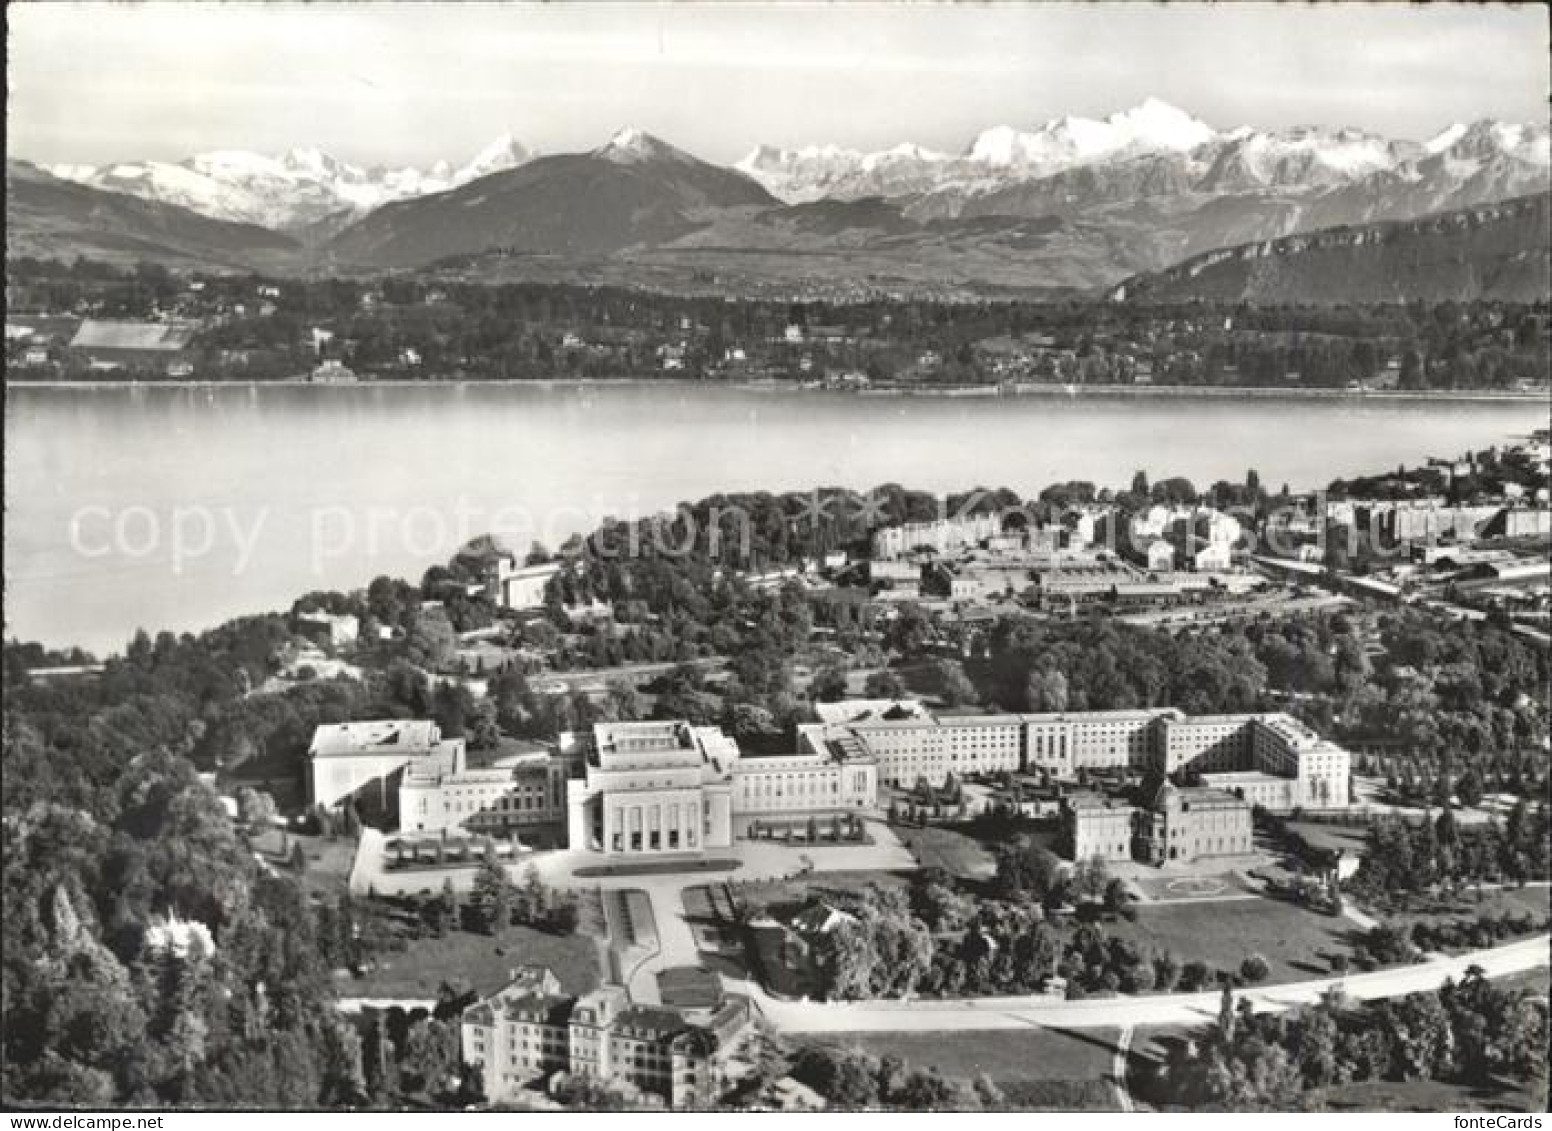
point(664, 787)
point(944, 536)
point(1272, 759)
point(530, 1030)
point(511, 793)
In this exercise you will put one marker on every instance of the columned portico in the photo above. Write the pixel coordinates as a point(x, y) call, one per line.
point(653, 789)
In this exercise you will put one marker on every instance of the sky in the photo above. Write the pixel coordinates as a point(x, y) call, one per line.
point(381, 83)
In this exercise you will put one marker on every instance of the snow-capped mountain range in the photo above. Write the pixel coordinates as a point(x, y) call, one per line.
point(292, 192)
point(1075, 202)
point(1186, 154)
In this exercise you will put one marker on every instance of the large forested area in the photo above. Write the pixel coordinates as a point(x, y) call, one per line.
point(526, 331)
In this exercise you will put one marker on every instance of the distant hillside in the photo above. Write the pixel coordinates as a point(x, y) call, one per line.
point(635, 191)
point(1497, 251)
point(52, 218)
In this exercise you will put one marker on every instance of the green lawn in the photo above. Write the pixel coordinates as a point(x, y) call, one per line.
point(483, 961)
point(936, 846)
point(328, 861)
point(1222, 933)
point(1051, 1068)
point(1427, 1095)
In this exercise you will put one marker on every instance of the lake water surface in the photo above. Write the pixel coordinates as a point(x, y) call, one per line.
point(180, 507)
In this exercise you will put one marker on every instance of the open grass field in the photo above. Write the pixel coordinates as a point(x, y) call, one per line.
point(1222, 933)
point(485, 962)
point(1428, 1095)
point(936, 846)
point(1056, 1068)
point(328, 861)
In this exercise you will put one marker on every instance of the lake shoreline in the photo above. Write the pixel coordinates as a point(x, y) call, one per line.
point(956, 392)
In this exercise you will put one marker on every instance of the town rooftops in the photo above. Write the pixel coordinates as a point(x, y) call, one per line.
point(374, 737)
point(160, 337)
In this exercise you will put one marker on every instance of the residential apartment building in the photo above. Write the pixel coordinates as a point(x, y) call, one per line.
point(530, 1030)
point(945, 536)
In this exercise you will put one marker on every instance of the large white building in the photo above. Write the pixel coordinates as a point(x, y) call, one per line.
point(1271, 760)
point(365, 760)
point(945, 536)
point(650, 787)
point(511, 793)
point(520, 587)
point(666, 787)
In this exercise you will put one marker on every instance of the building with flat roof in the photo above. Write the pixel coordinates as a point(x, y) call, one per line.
point(650, 787)
point(520, 587)
point(944, 536)
point(514, 792)
point(1278, 762)
point(365, 760)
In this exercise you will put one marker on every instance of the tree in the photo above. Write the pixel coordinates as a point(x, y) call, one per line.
point(1091, 877)
point(1046, 691)
point(1026, 871)
point(1254, 969)
point(884, 685)
point(829, 685)
point(1117, 897)
point(492, 896)
point(954, 687)
point(431, 642)
point(255, 807)
point(429, 1059)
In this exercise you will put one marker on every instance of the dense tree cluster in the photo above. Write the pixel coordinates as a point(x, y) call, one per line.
point(1404, 858)
point(1470, 1032)
point(443, 328)
point(852, 1078)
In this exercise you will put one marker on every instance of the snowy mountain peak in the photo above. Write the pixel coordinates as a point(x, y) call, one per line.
point(295, 190)
point(1445, 138)
point(505, 152)
point(1153, 126)
point(1156, 124)
point(630, 146)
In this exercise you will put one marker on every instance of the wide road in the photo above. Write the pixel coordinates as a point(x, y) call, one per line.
point(929, 1015)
